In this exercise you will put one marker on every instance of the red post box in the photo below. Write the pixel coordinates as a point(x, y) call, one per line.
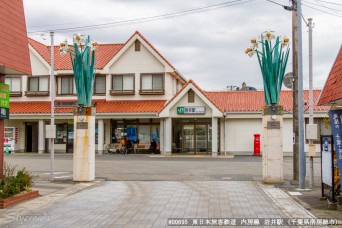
point(256, 144)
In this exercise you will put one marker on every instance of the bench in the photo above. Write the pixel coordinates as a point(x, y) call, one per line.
point(142, 147)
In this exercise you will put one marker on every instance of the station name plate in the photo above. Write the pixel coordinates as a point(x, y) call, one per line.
point(273, 124)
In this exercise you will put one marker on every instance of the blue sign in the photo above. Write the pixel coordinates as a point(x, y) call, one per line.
point(336, 129)
point(326, 144)
point(131, 132)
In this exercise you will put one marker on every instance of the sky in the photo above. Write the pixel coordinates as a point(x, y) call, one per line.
point(205, 45)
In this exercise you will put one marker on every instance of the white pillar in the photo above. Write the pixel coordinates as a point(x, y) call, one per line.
point(222, 133)
point(100, 139)
point(272, 155)
point(168, 136)
point(84, 144)
point(214, 132)
point(161, 136)
point(41, 137)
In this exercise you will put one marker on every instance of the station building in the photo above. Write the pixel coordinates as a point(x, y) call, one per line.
point(138, 93)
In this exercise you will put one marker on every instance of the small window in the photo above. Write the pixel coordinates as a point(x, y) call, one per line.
point(15, 86)
point(122, 84)
point(100, 85)
point(191, 96)
point(137, 45)
point(152, 84)
point(38, 86)
point(65, 85)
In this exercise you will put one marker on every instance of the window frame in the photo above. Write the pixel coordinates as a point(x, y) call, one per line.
point(14, 93)
point(104, 92)
point(29, 93)
point(152, 92)
point(73, 93)
point(122, 92)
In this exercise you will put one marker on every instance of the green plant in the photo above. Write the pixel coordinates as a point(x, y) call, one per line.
point(13, 183)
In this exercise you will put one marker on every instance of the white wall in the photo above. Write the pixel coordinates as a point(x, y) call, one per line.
point(240, 135)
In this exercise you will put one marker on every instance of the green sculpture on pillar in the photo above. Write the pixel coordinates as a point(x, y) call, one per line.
point(83, 60)
point(272, 60)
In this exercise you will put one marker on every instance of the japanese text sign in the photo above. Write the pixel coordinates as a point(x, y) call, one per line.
point(336, 129)
point(4, 95)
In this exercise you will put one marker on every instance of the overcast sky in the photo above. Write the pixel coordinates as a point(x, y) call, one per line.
point(206, 46)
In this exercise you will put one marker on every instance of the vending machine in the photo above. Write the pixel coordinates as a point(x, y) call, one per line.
point(11, 136)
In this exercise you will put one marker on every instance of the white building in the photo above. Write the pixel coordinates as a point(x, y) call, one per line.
point(137, 92)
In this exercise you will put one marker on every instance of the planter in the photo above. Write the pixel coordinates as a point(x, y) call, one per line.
point(18, 198)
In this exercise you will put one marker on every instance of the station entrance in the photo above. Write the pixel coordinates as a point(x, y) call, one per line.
point(191, 136)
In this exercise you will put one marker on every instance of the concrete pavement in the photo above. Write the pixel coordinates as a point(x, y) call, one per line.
point(144, 191)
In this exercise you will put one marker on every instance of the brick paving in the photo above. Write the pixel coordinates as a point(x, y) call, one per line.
point(151, 203)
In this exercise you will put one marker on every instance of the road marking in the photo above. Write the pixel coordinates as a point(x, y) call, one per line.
point(295, 193)
point(55, 173)
point(62, 177)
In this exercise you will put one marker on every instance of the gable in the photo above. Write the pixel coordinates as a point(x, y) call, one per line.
point(136, 61)
point(181, 100)
point(38, 67)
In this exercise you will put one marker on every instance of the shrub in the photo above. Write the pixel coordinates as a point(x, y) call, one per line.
point(14, 182)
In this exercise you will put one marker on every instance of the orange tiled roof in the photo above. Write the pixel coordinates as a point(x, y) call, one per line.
point(332, 90)
point(253, 101)
point(105, 52)
point(14, 52)
point(102, 106)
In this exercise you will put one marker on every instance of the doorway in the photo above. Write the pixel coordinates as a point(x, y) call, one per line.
point(70, 139)
point(191, 136)
point(31, 139)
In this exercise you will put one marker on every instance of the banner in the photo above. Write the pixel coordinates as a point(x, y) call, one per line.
point(336, 130)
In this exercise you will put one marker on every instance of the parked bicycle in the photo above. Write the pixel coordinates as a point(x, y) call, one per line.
point(115, 149)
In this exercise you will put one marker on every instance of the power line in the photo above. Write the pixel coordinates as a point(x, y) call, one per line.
point(322, 5)
point(333, 3)
point(321, 10)
point(151, 18)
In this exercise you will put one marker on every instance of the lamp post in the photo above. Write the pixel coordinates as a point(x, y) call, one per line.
point(272, 58)
point(83, 60)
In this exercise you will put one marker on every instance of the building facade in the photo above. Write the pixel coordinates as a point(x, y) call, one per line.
point(138, 93)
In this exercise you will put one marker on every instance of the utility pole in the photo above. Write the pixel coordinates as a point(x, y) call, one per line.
point(302, 156)
point(311, 120)
point(295, 90)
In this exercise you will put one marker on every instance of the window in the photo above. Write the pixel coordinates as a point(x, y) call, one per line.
point(61, 133)
point(100, 85)
point(65, 85)
point(191, 96)
point(122, 84)
point(152, 84)
point(38, 86)
point(137, 45)
point(15, 86)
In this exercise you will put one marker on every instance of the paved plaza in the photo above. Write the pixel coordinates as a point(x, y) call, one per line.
point(144, 191)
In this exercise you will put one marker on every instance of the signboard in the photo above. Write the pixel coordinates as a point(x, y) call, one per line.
point(4, 113)
point(191, 110)
point(336, 129)
point(273, 124)
point(4, 96)
point(326, 163)
point(81, 125)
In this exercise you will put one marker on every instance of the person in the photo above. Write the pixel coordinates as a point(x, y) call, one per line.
point(153, 146)
point(129, 145)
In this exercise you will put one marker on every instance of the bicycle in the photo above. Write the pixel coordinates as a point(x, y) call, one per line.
point(115, 149)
